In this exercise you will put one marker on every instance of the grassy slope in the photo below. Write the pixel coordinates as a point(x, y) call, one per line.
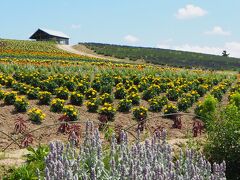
point(36, 50)
point(166, 57)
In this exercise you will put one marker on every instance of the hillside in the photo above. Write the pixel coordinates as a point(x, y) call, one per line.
point(21, 49)
point(165, 57)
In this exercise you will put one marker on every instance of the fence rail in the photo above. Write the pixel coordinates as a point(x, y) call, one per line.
point(95, 122)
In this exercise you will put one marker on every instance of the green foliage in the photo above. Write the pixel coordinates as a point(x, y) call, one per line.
point(135, 98)
point(38, 154)
point(71, 112)
point(157, 103)
point(36, 115)
point(35, 160)
point(44, 97)
point(120, 92)
point(33, 93)
point(108, 132)
point(108, 110)
point(140, 113)
point(1, 94)
point(76, 98)
point(235, 99)
point(62, 93)
point(57, 105)
point(206, 109)
point(223, 140)
point(91, 93)
point(166, 57)
point(106, 98)
point(10, 98)
point(174, 94)
point(125, 105)
point(21, 104)
point(170, 108)
point(92, 105)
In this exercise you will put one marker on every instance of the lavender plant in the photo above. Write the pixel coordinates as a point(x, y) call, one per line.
point(151, 160)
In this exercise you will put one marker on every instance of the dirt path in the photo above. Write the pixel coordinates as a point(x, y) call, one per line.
point(84, 51)
point(70, 49)
point(13, 158)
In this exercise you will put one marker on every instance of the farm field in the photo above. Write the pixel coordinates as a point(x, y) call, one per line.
point(21, 49)
point(102, 92)
point(52, 96)
point(165, 56)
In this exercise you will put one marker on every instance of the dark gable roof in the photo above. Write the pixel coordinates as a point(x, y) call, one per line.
point(52, 33)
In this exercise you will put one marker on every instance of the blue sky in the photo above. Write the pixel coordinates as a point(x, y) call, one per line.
point(199, 25)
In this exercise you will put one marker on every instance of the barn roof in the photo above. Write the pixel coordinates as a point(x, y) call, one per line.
point(53, 33)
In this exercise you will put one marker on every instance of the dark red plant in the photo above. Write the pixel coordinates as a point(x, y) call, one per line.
point(197, 128)
point(64, 127)
point(28, 139)
point(74, 134)
point(177, 122)
point(103, 121)
point(20, 125)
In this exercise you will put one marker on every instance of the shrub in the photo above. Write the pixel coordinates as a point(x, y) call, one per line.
point(91, 93)
point(71, 86)
point(120, 92)
point(106, 98)
point(108, 110)
point(206, 109)
point(132, 89)
point(2, 93)
point(10, 97)
point(44, 97)
point(36, 115)
point(62, 93)
point(92, 105)
point(96, 84)
point(71, 112)
point(202, 89)
point(170, 108)
point(223, 140)
point(157, 103)
point(125, 105)
point(140, 113)
point(57, 105)
point(106, 89)
point(235, 99)
point(135, 98)
point(151, 92)
point(174, 94)
point(183, 104)
point(217, 93)
point(21, 104)
point(82, 88)
point(32, 93)
point(76, 99)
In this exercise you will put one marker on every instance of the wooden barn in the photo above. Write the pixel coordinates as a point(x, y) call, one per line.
point(50, 35)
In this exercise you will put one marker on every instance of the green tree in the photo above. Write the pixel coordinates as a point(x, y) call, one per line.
point(225, 54)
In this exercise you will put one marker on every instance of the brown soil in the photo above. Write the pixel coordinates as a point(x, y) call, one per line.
point(47, 134)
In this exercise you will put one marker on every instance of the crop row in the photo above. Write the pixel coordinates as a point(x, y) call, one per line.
point(166, 94)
